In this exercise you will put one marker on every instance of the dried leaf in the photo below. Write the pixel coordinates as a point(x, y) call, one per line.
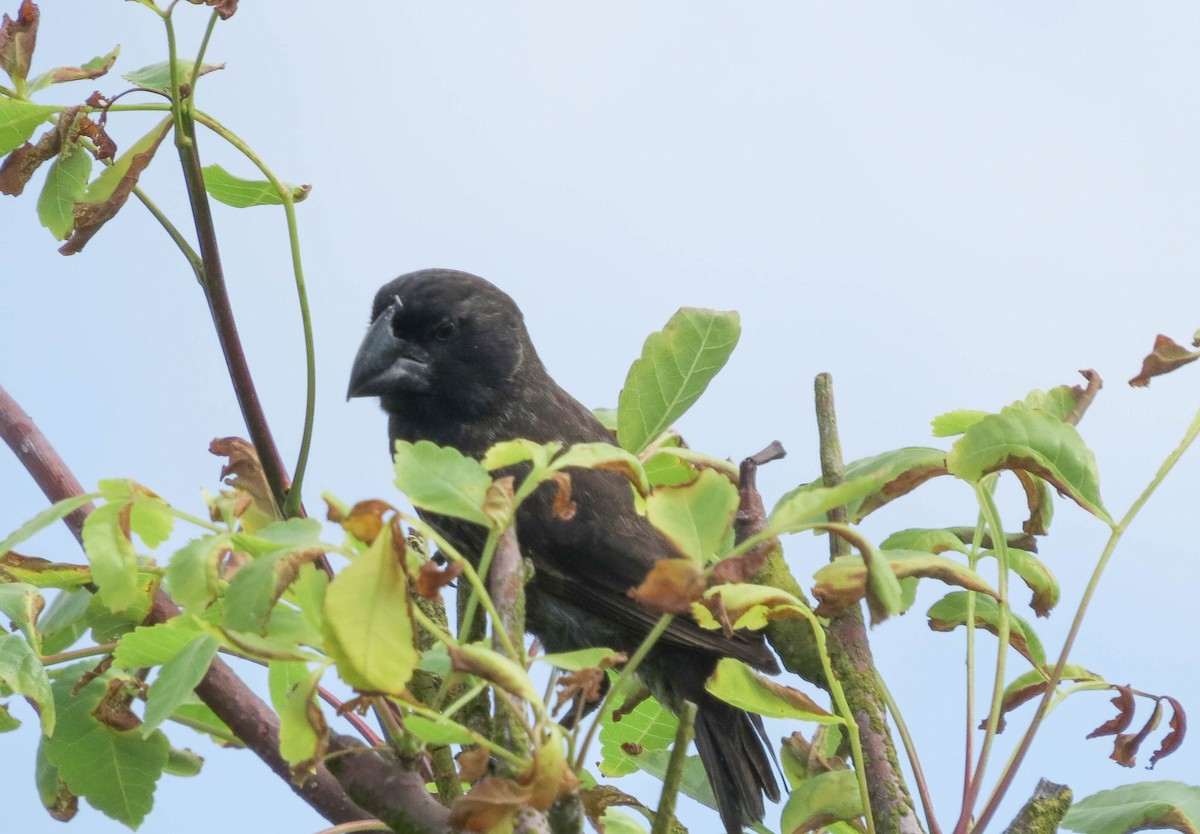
point(244, 473)
point(1172, 741)
point(472, 764)
point(223, 8)
point(18, 39)
point(365, 519)
point(563, 507)
point(584, 684)
point(21, 164)
point(498, 500)
point(670, 587)
point(1125, 748)
point(1120, 722)
point(114, 708)
point(741, 568)
point(432, 579)
point(490, 803)
point(1166, 357)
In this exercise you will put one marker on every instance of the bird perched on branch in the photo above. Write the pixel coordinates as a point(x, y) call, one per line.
point(450, 360)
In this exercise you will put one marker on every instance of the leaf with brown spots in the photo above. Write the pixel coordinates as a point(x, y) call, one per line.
point(61, 75)
point(670, 587)
point(492, 802)
point(18, 38)
point(1121, 721)
point(431, 579)
point(1172, 741)
point(1167, 356)
point(109, 191)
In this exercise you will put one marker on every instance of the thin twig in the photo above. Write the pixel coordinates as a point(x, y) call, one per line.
point(673, 778)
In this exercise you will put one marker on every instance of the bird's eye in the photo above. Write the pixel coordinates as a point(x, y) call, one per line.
point(443, 330)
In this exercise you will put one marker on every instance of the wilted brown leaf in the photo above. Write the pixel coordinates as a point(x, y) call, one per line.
point(18, 39)
point(563, 507)
point(20, 165)
point(1125, 748)
point(498, 501)
point(472, 764)
point(741, 568)
point(549, 776)
point(1166, 357)
point(584, 685)
point(114, 708)
point(91, 216)
point(244, 473)
point(1173, 739)
point(596, 800)
point(106, 148)
point(223, 8)
point(1118, 723)
point(670, 587)
point(432, 579)
point(491, 802)
point(365, 519)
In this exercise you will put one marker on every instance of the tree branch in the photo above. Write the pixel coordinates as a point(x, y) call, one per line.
point(1044, 810)
point(850, 656)
point(252, 721)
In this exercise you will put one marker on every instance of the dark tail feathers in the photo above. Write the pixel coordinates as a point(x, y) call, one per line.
point(732, 747)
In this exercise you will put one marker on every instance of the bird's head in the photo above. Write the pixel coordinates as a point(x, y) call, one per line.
point(443, 343)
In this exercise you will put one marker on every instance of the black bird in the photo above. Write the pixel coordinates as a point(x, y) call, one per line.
point(449, 357)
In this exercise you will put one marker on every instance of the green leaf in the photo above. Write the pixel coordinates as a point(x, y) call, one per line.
point(929, 540)
point(817, 802)
point(110, 552)
point(697, 517)
point(158, 76)
point(898, 472)
point(604, 456)
point(292, 534)
point(368, 622)
point(176, 680)
point(675, 367)
point(577, 660)
point(240, 193)
point(520, 450)
point(18, 121)
point(114, 771)
point(954, 423)
point(1036, 442)
point(8, 722)
point(155, 645)
point(46, 517)
point(65, 620)
point(950, 612)
point(435, 660)
point(258, 585)
point(1034, 574)
point(694, 783)
point(807, 504)
point(105, 185)
point(21, 671)
point(843, 582)
point(648, 727)
point(183, 763)
point(736, 683)
point(108, 626)
point(303, 732)
point(42, 574)
point(66, 182)
point(152, 520)
point(442, 480)
point(202, 719)
point(192, 571)
point(1032, 684)
point(23, 604)
point(439, 732)
point(1138, 807)
point(56, 797)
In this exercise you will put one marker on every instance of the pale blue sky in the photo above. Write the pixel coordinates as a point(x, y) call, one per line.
point(944, 204)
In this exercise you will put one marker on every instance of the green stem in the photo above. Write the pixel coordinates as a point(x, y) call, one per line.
point(1003, 631)
point(969, 735)
point(76, 654)
point(193, 257)
point(674, 775)
point(627, 672)
point(1110, 547)
point(212, 23)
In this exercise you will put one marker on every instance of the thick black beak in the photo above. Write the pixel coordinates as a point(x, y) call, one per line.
point(386, 364)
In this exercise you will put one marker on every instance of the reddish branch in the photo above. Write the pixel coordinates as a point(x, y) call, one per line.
point(252, 721)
